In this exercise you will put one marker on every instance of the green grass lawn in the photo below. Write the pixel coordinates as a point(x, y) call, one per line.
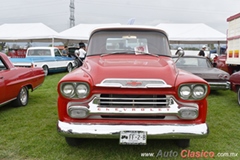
point(30, 133)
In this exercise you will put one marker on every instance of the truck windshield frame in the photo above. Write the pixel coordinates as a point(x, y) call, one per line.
point(126, 40)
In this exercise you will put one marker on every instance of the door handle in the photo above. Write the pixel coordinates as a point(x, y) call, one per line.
point(1, 77)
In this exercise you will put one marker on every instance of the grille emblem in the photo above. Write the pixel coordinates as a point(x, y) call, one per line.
point(133, 83)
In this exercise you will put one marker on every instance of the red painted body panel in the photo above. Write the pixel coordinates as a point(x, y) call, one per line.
point(220, 62)
point(235, 81)
point(120, 66)
point(96, 68)
point(14, 78)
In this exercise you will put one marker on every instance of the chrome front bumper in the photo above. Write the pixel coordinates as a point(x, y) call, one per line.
point(219, 85)
point(168, 131)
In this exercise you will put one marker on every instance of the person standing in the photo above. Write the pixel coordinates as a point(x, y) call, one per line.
point(201, 52)
point(65, 51)
point(82, 51)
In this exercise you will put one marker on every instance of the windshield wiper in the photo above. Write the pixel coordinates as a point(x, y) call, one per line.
point(119, 52)
point(146, 53)
point(130, 52)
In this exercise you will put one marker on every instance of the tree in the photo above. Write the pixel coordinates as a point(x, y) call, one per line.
point(2, 44)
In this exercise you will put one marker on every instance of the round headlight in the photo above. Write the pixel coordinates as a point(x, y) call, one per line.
point(82, 90)
point(223, 76)
point(198, 92)
point(185, 92)
point(68, 90)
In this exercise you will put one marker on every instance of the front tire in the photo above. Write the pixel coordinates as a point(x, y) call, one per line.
point(77, 62)
point(238, 95)
point(69, 67)
point(22, 98)
point(73, 141)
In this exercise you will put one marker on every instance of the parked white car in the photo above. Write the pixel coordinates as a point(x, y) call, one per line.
point(48, 58)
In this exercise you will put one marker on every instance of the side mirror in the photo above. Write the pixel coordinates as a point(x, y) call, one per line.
point(180, 52)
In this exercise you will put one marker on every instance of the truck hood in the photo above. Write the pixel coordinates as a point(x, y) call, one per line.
point(130, 67)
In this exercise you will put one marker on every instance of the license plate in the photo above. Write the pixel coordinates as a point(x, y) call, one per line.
point(133, 138)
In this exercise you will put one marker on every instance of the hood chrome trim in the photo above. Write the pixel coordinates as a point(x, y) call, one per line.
point(133, 83)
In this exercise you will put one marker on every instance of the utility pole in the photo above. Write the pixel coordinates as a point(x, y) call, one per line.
point(72, 19)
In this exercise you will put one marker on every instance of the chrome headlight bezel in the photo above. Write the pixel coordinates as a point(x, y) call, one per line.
point(78, 112)
point(197, 91)
point(77, 90)
point(188, 113)
point(185, 92)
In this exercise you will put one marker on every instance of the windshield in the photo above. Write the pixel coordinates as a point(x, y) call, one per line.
point(39, 52)
point(193, 62)
point(130, 42)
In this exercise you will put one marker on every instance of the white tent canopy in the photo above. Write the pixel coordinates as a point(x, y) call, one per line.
point(192, 33)
point(26, 32)
point(80, 32)
point(38, 32)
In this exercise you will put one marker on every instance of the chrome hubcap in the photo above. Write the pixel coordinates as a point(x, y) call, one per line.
point(69, 68)
point(45, 70)
point(23, 96)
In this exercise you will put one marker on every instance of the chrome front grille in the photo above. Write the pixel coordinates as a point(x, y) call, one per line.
point(133, 101)
point(134, 117)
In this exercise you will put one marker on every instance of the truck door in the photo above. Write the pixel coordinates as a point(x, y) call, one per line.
point(60, 60)
point(8, 89)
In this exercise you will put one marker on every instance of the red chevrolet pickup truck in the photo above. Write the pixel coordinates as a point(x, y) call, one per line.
point(129, 88)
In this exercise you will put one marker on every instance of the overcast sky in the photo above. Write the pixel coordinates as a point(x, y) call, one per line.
point(56, 13)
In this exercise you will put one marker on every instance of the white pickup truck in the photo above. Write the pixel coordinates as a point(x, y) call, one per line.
point(49, 58)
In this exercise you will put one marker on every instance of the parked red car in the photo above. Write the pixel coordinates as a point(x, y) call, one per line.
point(15, 82)
point(129, 88)
point(235, 84)
point(220, 63)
